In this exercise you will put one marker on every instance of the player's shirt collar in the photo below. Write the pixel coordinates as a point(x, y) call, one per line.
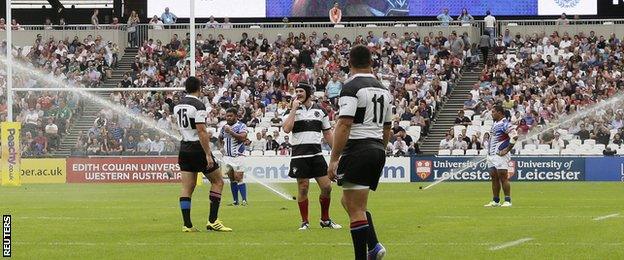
point(191, 96)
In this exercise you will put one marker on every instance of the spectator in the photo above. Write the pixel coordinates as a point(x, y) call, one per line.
point(156, 23)
point(168, 18)
point(444, 17)
point(15, 26)
point(285, 147)
point(130, 145)
point(226, 23)
point(46, 26)
point(333, 89)
point(157, 146)
point(485, 143)
point(271, 145)
point(447, 142)
point(557, 142)
point(95, 20)
point(583, 133)
point(490, 25)
point(470, 104)
point(461, 119)
point(3, 26)
point(276, 121)
point(484, 46)
point(115, 24)
point(260, 144)
point(40, 144)
point(133, 21)
point(475, 143)
point(460, 143)
point(399, 147)
point(51, 132)
point(563, 20)
point(212, 23)
point(465, 17)
point(144, 145)
point(335, 14)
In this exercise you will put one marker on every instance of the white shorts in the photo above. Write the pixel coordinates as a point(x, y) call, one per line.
point(498, 162)
point(236, 163)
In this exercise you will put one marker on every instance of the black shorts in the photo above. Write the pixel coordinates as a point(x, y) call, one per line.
point(363, 167)
point(308, 168)
point(193, 159)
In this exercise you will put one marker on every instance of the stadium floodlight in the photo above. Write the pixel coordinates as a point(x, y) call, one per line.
point(9, 50)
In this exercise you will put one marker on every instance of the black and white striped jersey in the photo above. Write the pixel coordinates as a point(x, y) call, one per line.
point(308, 130)
point(189, 112)
point(364, 99)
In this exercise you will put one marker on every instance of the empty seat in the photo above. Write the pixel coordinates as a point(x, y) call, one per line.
point(600, 147)
point(444, 152)
point(543, 147)
point(590, 142)
point(457, 152)
point(530, 147)
point(614, 146)
point(576, 142)
point(472, 152)
point(405, 124)
point(482, 152)
point(257, 153)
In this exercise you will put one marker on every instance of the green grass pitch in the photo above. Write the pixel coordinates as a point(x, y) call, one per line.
point(142, 221)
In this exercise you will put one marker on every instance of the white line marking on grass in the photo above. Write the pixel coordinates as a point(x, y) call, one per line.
point(510, 244)
point(442, 244)
point(67, 218)
point(606, 217)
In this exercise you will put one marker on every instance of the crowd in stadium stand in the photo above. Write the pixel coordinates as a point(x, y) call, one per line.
point(541, 79)
point(46, 115)
point(258, 77)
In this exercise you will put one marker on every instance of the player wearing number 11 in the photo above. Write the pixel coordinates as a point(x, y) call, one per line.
point(358, 153)
point(195, 156)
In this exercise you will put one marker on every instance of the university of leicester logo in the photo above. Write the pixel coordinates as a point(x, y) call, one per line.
point(423, 169)
point(567, 3)
point(511, 168)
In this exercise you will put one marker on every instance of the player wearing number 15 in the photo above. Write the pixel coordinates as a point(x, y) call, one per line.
point(358, 153)
point(195, 156)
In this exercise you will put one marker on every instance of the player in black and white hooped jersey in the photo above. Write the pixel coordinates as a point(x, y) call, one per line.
point(195, 156)
point(358, 153)
point(309, 123)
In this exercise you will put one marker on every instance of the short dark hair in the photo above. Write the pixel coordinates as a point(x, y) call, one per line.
point(231, 110)
point(499, 108)
point(360, 57)
point(192, 85)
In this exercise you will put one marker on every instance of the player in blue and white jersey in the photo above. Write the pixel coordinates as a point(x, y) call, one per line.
point(502, 140)
point(232, 140)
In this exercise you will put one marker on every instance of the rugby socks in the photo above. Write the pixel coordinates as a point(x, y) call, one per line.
point(508, 199)
point(215, 200)
point(359, 235)
point(496, 199)
point(325, 201)
point(303, 209)
point(185, 206)
point(234, 188)
point(372, 236)
point(242, 187)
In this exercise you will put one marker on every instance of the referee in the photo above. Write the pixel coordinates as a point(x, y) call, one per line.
point(358, 152)
point(309, 123)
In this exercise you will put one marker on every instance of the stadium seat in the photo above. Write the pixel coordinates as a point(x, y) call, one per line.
point(477, 122)
point(576, 142)
point(600, 147)
point(476, 117)
point(568, 152)
point(543, 147)
point(457, 152)
point(620, 151)
point(319, 94)
point(457, 130)
point(472, 152)
point(404, 124)
point(553, 151)
point(482, 152)
point(469, 113)
point(530, 147)
point(269, 115)
point(256, 153)
point(591, 142)
point(444, 152)
point(614, 146)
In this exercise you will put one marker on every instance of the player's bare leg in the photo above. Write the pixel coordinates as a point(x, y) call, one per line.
point(496, 187)
point(242, 187)
point(216, 187)
point(303, 185)
point(325, 200)
point(354, 202)
point(503, 177)
point(189, 180)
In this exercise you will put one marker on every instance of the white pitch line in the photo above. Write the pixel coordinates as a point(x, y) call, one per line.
point(67, 218)
point(510, 244)
point(606, 217)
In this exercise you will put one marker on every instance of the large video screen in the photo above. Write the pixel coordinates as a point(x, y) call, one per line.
point(355, 8)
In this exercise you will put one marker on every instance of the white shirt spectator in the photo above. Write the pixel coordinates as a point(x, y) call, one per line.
point(489, 21)
point(446, 144)
point(157, 146)
point(399, 146)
